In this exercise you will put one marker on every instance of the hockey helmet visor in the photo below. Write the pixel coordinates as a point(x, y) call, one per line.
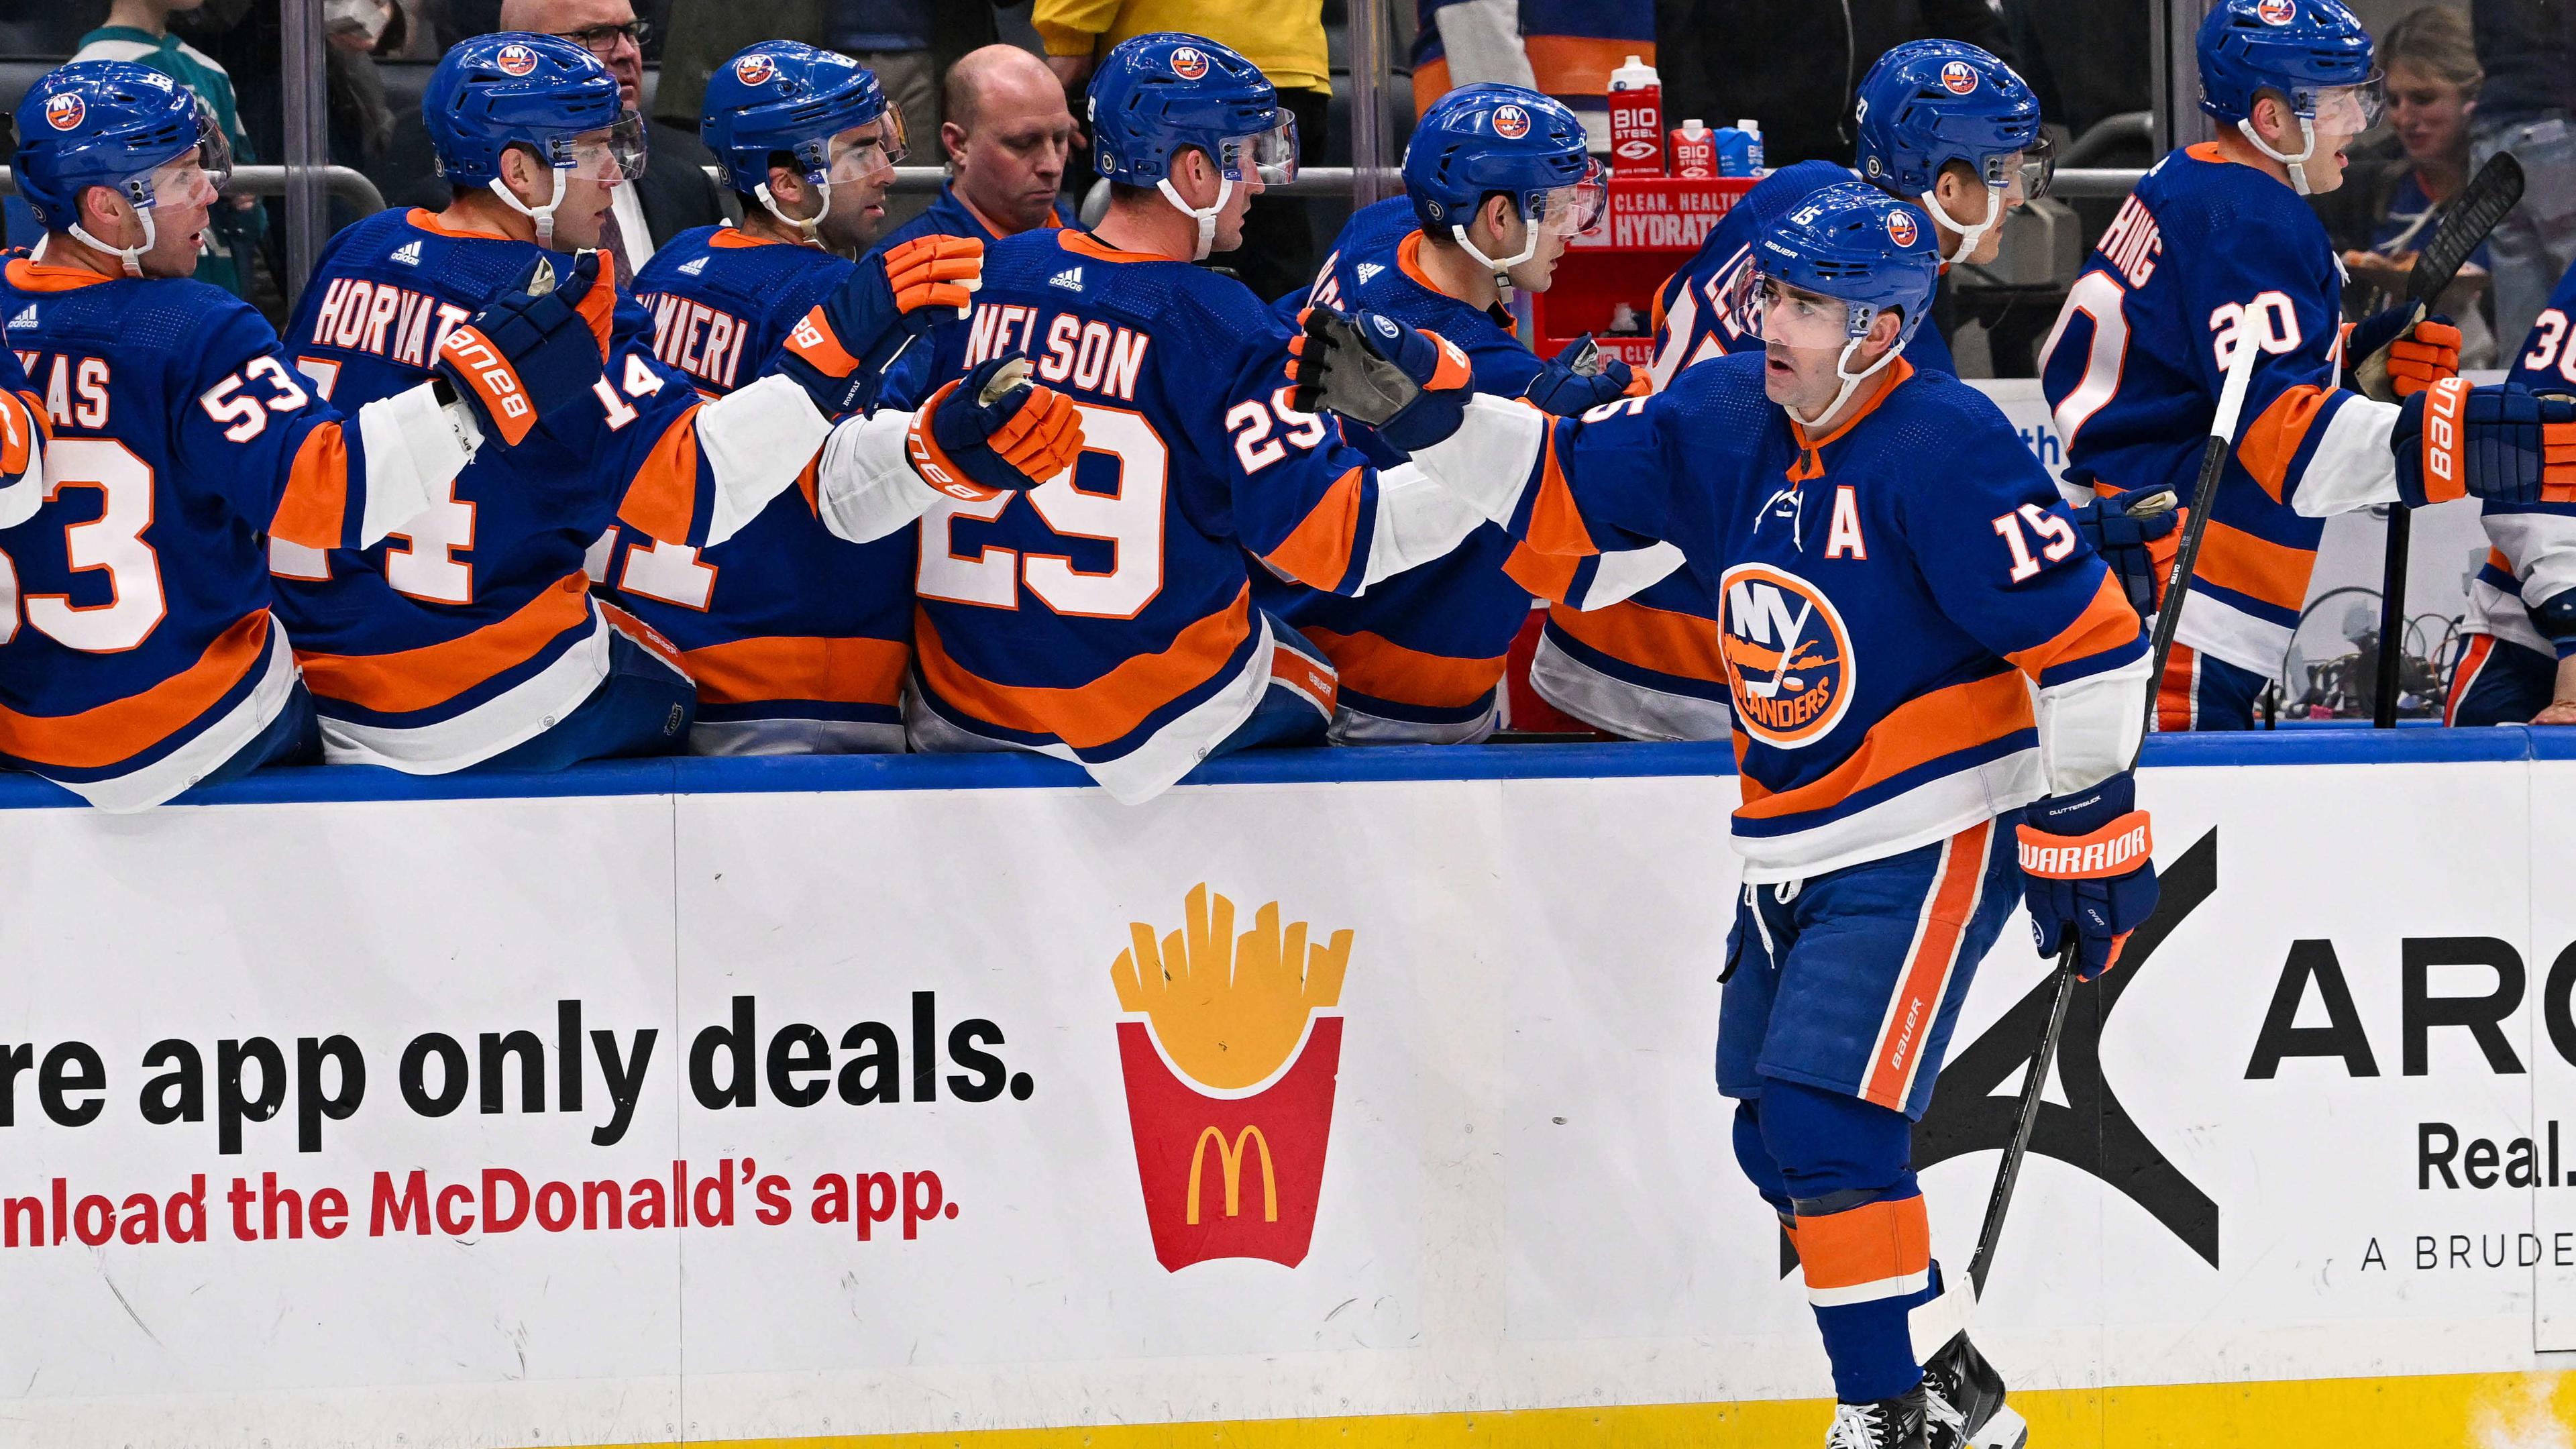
point(2343, 110)
point(1269, 157)
point(1576, 210)
point(177, 180)
point(610, 154)
point(1779, 312)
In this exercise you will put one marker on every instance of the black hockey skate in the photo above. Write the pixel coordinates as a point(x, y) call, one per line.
point(1898, 1423)
point(1968, 1409)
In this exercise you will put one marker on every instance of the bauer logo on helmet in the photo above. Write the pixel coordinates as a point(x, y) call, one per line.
point(1958, 77)
point(64, 111)
point(1189, 63)
point(515, 60)
point(1900, 227)
point(755, 70)
point(1511, 123)
point(2277, 12)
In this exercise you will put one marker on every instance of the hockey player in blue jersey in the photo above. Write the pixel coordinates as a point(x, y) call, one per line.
point(1107, 617)
point(471, 638)
point(1498, 180)
point(2517, 662)
point(1899, 583)
point(797, 639)
point(1942, 124)
point(2217, 239)
point(138, 652)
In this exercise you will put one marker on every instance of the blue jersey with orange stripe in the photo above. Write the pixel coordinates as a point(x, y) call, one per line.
point(2133, 371)
point(1890, 591)
point(1648, 667)
point(1427, 647)
point(473, 629)
point(1364, 248)
point(137, 650)
point(1107, 615)
point(798, 639)
point(2532, 560)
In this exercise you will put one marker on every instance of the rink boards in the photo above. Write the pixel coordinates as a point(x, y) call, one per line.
point(911, 1158)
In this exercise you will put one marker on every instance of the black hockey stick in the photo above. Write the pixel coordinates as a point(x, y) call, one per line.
point(2495, 190)
point(2213, 465)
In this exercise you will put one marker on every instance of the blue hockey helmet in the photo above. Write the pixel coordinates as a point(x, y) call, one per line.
point(115, 124)
point(1157, 93)
point(1823, 274)
point(2316, 54)
point(785, 96)
point(1482, 139)
point(539, 91)
point(1928, 103)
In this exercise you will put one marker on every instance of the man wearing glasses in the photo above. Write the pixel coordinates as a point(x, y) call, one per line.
point(673, 194)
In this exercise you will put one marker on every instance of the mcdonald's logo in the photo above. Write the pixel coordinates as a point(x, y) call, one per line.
point(1230, 1162)
point(1231, 1050)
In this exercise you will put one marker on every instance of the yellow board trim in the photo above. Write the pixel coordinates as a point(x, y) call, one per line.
point(2436, 1411)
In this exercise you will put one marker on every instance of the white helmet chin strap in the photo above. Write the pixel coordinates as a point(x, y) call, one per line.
point(131, 258)
point(1851, 382)
point(2297, 164)
point(810, 231)
point(543, 216)
point(1502, 270)
point(1969, 236)
point(1207, 218)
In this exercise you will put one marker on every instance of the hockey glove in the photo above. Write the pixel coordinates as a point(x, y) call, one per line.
point(1580, 377)
point(1409, 384)
point(532, 351)
point(2503, 442)
point(840, 351)
point(24, 427)
point(2088, 871)
point(2417, 357)
point(993, 432)
point(2134, 532)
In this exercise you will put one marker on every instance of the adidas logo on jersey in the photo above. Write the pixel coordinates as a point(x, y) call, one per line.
point(1070, 279)
point(691, 269)
point(408, 254)
point(1368, 270)
point(25, 318)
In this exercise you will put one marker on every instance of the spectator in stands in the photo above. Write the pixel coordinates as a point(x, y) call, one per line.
point(1284, 38)
point(675, 192)
point(892, 38)
point(139, 31)
point(1791, 64)
point(1566, 48)
point(1464, 43)
point(2527, 48)
point(1006, 139)
point(2397, 188)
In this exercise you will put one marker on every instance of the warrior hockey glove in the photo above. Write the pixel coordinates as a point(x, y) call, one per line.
point(1580, 377)
point(2416, 358)
point(2503, 442)
point(1408, 384)
point(532, 351)
point(993, 432)
point(2088, 871)
point(840, 351)
point(2134, 534)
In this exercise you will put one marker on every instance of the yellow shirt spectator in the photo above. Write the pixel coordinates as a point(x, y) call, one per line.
point(1283, 37)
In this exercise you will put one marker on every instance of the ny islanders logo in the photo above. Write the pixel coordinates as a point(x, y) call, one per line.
point(1959, 77)
point(2277, 12)
point(1511, 123)
point(1188, 63)
point(64, 111)
point(515, 60)
point(1230, 1052)
point(755, 70)
point(1901, 228)
point(1788, 656)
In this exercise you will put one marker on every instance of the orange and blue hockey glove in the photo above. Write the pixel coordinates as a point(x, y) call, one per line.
point(2088, 871)
point(532, 351)
point(840, 351)
point(1409, 384)
point(992, 432)
point(2503, 442)
point(2418, 356)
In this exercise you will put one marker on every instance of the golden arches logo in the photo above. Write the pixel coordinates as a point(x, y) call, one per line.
point(1229, 1162)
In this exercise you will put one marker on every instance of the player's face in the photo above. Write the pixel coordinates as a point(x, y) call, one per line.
point(1964, 198)
point(2431, 114)
point(1803, 334)
point(184, 196)
point(863, 161)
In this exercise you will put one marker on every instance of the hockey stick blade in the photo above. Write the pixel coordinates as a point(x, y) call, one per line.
point(2495, 190)
point(2213, 466)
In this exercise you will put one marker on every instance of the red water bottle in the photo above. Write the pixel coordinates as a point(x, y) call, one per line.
point(1695, 151)
point(1636, 120)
